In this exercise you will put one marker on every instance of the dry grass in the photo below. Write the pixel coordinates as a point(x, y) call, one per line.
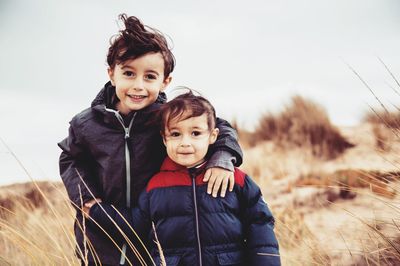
point(383, 136)
point(323, 207)
point(36, 228)
point(302, 123)
point(384, 117)
point(297, 243)
point(386, 126)
point(349, 180)
point(336, 229)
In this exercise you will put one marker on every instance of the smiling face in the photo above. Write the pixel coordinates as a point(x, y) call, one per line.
point(138, 81)
point(187, 140)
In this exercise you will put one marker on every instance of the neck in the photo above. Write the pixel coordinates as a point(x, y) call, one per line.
point(198, 164)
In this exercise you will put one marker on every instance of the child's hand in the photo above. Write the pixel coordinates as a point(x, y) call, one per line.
point(218, 178)
point(86, 207)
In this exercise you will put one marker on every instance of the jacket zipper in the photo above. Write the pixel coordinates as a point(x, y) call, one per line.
point(128, 169)
point(196, 217)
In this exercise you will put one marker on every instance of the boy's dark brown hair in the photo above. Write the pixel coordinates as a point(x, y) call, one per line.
point(136, 40)
point(185, 106)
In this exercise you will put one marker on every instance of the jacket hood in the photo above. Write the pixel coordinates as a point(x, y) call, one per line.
point(107, 97)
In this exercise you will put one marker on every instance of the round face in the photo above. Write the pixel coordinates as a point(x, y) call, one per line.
point(138, 81)
point(187, 141)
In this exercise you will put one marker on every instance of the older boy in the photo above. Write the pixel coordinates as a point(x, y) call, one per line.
point(113, 148)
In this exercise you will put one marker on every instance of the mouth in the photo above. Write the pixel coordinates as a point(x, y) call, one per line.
point(136, 97)
point(185, 153)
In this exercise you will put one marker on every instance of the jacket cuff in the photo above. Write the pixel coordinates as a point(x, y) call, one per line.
point(222, 159)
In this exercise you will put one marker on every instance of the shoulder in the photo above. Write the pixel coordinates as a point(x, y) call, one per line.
point(245, 182)
point(82, 123)
point(166, 179)
point(240, 177)
point(155, 181)
point(82, 117)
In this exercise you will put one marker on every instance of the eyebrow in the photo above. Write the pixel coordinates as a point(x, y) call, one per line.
point(152, 71)
point(193, 128)
point(200, 128)
point(126, 66)
point(147, 71)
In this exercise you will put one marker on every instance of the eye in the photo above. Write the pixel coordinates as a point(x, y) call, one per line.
point(150, 77)
point(196, 133)
point(128, 73)
point(175, 134)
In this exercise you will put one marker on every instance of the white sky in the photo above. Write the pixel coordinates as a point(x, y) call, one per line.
point(247, 57)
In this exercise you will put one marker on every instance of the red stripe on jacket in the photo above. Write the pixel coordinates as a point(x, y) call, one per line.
point(173, 175)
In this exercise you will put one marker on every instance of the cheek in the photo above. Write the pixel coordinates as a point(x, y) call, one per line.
point(203, 146)
point(119, 92)
point(170, 147)
point(154, 91)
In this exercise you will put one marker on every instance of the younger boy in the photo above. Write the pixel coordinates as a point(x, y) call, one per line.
point(192, 227)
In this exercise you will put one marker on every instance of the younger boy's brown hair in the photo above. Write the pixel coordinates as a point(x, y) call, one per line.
point(185, 106)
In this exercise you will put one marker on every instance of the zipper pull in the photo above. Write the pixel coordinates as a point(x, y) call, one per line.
point(128, 129)
point(126, 133)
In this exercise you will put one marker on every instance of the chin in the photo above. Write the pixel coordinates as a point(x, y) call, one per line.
point(186, 164)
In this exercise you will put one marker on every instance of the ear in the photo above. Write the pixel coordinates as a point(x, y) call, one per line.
point(111, 75)
point(166, 82)
point(213, 135)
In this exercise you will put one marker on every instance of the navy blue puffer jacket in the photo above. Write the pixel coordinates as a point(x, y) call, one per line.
point(194, 228)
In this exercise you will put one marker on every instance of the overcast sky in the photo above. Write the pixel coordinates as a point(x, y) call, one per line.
point(247, 57)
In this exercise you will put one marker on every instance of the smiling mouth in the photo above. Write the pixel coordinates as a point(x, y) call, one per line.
point(136, 97)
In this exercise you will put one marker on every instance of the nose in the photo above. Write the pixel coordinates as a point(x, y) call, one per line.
point(138, 84)
point(185, 141)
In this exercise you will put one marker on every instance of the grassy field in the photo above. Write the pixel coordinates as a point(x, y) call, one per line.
point(334, 193)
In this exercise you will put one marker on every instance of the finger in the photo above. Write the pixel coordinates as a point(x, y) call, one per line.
point(224, 186)
point(90, 203)
point(211, 183)
point(231, 182)
point(217, 186)
point(97, 200)
point(85, 211)
point(207, 175)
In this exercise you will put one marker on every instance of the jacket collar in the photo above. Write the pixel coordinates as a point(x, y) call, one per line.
point(169, 165)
